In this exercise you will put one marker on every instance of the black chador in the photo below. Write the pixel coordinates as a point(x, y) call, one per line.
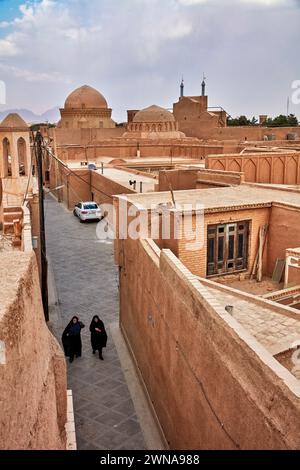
point(98, 335)
point(71, 338)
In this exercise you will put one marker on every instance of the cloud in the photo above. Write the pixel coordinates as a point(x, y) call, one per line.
point(4, 24)
point(135, 52)
point(253, 2)
point(33, 76)
point(8, 47)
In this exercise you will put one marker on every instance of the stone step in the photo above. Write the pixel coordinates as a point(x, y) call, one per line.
point(11, 216)
point(8, 227)
point(11, 209)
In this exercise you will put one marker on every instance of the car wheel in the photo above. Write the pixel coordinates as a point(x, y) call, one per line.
point(74, 213)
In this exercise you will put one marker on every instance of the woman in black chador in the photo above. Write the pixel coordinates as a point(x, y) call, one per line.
point(71, 338)
point(98, 335)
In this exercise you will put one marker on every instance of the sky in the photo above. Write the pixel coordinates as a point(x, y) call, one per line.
point(135, 52)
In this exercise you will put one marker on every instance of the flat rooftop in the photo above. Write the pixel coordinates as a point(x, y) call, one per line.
point(123, 177)
point(221, 198)
point(275, 331)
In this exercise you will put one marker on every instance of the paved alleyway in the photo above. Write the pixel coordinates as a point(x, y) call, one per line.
point(86, 282)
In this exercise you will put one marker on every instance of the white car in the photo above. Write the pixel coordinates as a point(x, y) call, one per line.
point(87, 211)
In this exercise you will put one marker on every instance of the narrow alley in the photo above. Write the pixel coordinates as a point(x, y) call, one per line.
point(86, 284)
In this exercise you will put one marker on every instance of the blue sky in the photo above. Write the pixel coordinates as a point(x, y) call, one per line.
point(136, 51)
point(9, 9)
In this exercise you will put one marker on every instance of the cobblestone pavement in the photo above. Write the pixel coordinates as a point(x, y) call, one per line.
point(86, 283)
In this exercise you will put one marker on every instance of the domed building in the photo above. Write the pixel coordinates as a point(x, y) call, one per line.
point(15, 158)
point(86, 108)
point(153, 122)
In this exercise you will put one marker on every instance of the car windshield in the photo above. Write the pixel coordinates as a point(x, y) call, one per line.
point(90, 206)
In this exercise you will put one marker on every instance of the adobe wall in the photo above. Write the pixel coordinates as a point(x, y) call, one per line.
point(85, 136)
point(294, 276)
point(220, 177)
point(211, 384)
point(284, 232)
point(239, 132)
point(177, 179)
point(74, 185)
point(276, 168)
point(127, 148)
point(33, 398)
point(107, 188)
point(195, 178)
point(84, 185)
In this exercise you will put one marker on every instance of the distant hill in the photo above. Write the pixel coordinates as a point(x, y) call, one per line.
point(52, 115)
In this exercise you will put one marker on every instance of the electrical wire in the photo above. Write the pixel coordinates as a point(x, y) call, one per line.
point(75, 174)
point(30, 172)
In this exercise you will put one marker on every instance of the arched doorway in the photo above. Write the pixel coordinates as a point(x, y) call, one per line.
point(21, 144)
point(6, 158)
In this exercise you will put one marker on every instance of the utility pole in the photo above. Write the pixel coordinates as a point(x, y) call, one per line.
point(44, 261)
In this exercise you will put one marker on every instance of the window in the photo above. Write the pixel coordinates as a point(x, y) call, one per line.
point(90, 206)
point(227, 247)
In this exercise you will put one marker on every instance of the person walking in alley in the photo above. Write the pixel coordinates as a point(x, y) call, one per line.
point(71, 338)
point(98, 336)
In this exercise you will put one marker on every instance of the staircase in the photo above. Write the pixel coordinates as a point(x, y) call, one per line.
point(11, 214)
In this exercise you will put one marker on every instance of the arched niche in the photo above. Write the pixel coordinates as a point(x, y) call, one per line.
point(218, 165)
point(234, 166)
point(291, 171)
point(21, 146)
point(250, 171)
point(278, 171)
point(7, 160)
point(265, 171)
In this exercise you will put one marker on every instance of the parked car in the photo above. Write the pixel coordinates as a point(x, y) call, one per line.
point(92, 166)
point(87, 211)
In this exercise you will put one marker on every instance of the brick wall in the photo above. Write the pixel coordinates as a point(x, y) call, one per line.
point(196, 261)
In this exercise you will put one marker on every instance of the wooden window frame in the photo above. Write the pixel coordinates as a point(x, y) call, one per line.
point(223, 235)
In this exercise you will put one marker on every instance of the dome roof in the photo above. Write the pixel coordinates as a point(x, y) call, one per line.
point(13, 120)
point(154, 114)
point(85, 97)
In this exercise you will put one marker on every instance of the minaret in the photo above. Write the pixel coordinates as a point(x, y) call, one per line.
point(203, 85)
point(182, 89)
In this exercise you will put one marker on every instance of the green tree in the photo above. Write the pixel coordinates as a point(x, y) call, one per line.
point(241, 121)
point(282, 121)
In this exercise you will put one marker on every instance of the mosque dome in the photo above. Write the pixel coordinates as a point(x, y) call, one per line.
point(153, 123)
point(154, 114)
point(13, 121)
point(86, 97)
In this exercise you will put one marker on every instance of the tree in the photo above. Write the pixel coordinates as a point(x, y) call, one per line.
point(241, 121)
point(282, 121)
point(292, 120)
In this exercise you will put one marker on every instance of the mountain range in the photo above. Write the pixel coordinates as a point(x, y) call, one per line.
point(51, 116)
